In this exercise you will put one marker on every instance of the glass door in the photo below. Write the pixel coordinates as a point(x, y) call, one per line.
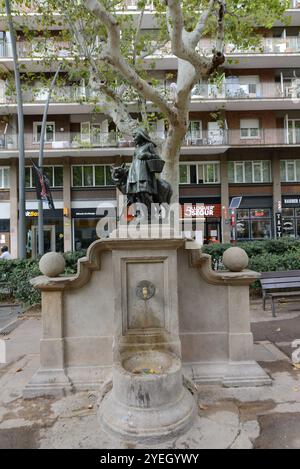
point(49, 240)
point(213, 231)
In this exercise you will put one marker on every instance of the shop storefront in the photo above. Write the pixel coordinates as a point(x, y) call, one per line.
point(84, 222)
point(204, 217)
point(5, 233)
point(53, 231)
point(254, 219)
point(291, 216)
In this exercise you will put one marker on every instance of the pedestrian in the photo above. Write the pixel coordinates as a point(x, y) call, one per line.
point(5, 254)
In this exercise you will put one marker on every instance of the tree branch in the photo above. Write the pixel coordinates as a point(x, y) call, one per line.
point(181, 39)
point(112, 55)
point(196, 35)
point(138, 29)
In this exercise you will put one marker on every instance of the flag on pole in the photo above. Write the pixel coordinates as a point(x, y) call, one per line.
point(42, 186)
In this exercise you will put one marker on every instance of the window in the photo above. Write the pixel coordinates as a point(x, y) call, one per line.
point(290, 170)
point(94, 133)
point(294, 131)
point(249, 128)
point(49, 134)
point(194, 134)
point(91, 176)
point(241, 172)
point(291, 222)
point(84, 232)
point(202, 173)
point(53, 173)
point(254, 223)
point(242, 86)
point(4, 178)
point(184, 174)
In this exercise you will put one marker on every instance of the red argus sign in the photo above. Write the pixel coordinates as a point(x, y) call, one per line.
point(201, 210)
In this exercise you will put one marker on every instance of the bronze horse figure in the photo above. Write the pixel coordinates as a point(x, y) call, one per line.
point(119, 175)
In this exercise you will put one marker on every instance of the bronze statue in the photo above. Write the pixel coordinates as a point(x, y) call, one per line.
point(139, 182)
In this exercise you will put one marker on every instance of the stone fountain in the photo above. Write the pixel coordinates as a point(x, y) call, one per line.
point(148, 400)
point(145, 310)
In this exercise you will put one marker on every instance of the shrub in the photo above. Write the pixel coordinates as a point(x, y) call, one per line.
point(18, 273)
point(71, 259)
point(264, 256)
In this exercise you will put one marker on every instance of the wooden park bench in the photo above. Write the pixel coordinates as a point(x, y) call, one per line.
point(279, 285)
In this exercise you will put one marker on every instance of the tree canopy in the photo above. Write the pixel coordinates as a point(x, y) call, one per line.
point(118, 52)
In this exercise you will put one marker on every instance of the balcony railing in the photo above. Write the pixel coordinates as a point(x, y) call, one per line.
point(236, 91)
point(295, 4)
point(227, 91)
point(270, 45)
point(133, 5)
point(62, 94)
point(38, 48)
point(204, 138)
point(49, 48)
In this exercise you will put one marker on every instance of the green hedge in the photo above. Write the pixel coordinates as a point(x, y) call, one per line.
point(264, 256)
point(17, 275)
point(272, 255)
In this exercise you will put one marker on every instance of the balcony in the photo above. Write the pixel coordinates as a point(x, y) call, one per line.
point(295, 4)
point(232, 96)
point(237, 91)
point(48, 48)
point(62, 94)
point(74, 142)
point(272, 53)
point(38, 48)
point(270, 45)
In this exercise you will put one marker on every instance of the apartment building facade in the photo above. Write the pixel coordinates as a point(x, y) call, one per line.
point(251, 149)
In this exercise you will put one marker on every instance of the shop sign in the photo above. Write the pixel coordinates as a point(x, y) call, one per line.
point(56, 213)
point(259, 213)
point(291, 201)
point(84, 212)
point(278, 220)
point(201, 210)
point(31, 213)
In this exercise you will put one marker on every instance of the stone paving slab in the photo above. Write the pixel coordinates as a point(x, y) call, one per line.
point(8, 314)
point(267, 417)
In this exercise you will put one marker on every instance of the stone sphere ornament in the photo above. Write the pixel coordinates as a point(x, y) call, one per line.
point(52, 264)
point(235, 259)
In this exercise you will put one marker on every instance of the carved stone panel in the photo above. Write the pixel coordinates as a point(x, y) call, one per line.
point(145, 294)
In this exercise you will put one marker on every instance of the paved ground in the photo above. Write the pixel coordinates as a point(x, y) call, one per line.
point(263, 417)
point(8, 314)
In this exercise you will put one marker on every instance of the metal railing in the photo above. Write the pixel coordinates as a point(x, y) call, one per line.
point(227, 91)
point(204, 138)
point(295, 4)
point(38, 48)
point(236, 91)
point(48, 48)
point(270, 45)
point(60, 94)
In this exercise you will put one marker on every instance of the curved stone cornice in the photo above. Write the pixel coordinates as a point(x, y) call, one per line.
point(202, 262)
point(92, 261)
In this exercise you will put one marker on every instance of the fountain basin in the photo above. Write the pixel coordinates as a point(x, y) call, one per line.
point(150, 362)
point(147, 379)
